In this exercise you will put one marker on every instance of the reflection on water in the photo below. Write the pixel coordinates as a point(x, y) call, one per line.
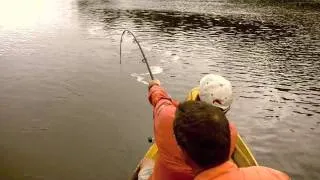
point(62, 66)
point(281, 54)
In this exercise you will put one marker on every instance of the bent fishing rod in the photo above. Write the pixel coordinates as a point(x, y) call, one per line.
point(144, 60)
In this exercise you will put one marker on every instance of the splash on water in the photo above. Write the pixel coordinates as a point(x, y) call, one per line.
point(140, 77)
point(156, 69)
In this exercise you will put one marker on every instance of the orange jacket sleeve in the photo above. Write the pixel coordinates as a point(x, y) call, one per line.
point(170, 163)
point(159, 98)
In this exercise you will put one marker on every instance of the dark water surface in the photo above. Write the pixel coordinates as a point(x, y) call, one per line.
point(68, 110)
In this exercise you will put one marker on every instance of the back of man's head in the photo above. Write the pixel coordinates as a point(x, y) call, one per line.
point(202, 131)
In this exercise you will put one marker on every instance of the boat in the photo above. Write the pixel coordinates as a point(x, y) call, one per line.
point(242, 155)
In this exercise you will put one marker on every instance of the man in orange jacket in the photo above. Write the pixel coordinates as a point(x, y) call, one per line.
point(202, 131)
point(170, 164)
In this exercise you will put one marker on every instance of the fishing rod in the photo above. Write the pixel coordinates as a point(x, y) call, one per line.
point(144, 60)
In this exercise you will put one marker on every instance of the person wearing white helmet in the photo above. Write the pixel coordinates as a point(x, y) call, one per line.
point(215, 90)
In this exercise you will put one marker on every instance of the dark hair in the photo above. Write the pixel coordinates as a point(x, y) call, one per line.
point(202, 131)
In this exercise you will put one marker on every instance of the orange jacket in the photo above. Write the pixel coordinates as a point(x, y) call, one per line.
point(229, 171)
point(170, 164)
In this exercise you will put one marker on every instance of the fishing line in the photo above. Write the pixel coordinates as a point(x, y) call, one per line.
point(144, 60)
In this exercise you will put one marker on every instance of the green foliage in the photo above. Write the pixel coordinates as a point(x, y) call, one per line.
point(304, 4)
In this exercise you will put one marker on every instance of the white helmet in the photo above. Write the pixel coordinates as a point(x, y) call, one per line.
point(216, 90)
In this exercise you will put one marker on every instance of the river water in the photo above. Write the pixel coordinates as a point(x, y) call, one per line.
point(69, 110)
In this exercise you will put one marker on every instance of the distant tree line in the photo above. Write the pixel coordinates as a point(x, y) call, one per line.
point(280, 1)
point(292, 3)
